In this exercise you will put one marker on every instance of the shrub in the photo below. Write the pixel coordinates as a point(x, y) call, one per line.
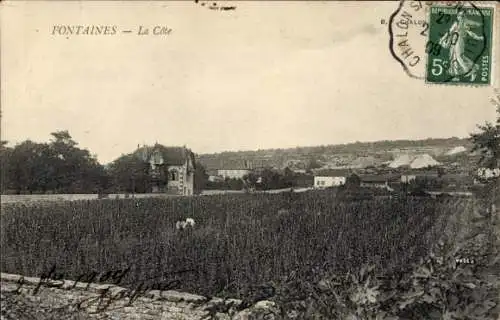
point(435, 287)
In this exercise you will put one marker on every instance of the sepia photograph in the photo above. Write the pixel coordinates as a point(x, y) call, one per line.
point(250, 160)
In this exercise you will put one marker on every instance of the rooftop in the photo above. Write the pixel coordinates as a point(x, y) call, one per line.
point(170, 155)
point(380, 178)
point(333, 173)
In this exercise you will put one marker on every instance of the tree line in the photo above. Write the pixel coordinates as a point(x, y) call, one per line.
point(61, 166)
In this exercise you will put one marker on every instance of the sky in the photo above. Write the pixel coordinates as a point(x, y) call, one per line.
point(266, 75)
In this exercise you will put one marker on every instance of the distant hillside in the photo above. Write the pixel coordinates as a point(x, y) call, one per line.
point(341, 154)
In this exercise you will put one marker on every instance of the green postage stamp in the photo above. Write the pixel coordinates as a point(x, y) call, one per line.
point(459, 50)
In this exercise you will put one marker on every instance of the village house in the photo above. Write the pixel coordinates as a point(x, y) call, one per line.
point(381, 181)
point(409, 176)
point(237, 169)
point(233, 173)
point(213, 176)
point(487, 173)
point(330, 178)
point(171, 169)
point(457, 181)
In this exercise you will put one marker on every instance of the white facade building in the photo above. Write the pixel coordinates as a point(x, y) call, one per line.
point(326, 181)
point(487, 173)
point(233, 173)
point(330, 178)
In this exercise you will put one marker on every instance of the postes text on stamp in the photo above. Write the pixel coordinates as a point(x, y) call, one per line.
point(459, 49)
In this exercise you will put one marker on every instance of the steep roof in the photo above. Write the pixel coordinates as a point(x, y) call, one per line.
point(173, 156)
point(380, 178)
point(421, 173)
point(332, 173)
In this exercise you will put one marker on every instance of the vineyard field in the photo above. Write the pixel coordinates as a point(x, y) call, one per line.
point(238, 240)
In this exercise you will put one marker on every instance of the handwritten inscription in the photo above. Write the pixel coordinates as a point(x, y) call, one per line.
point(114, 277)
point(108, 30)
point(53, 279)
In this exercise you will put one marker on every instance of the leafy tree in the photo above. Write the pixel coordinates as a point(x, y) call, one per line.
point(200, 177)
point(73, 170)
point(250, 181)
point(5, 153)
point(270, 179)
point(56, 167)
point(63, 139)
point(313, 164)
point(353, 181)
point(129, 173)
point(233, 184)
point(487, 140)
point(289, 178)
point(28, 168)
point(304, 180)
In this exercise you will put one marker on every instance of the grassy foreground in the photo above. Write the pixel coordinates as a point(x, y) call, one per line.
point(239, 241)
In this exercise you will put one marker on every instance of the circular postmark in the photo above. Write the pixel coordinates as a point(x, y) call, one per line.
point(408, 33)
point(442, 42)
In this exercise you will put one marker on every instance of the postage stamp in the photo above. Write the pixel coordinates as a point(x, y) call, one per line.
point(459, 49)
point(445, 42)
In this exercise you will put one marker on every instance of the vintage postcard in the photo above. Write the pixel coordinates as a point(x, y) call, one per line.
point(250, 160)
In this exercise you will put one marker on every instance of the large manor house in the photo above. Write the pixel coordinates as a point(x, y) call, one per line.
point(171, 168)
